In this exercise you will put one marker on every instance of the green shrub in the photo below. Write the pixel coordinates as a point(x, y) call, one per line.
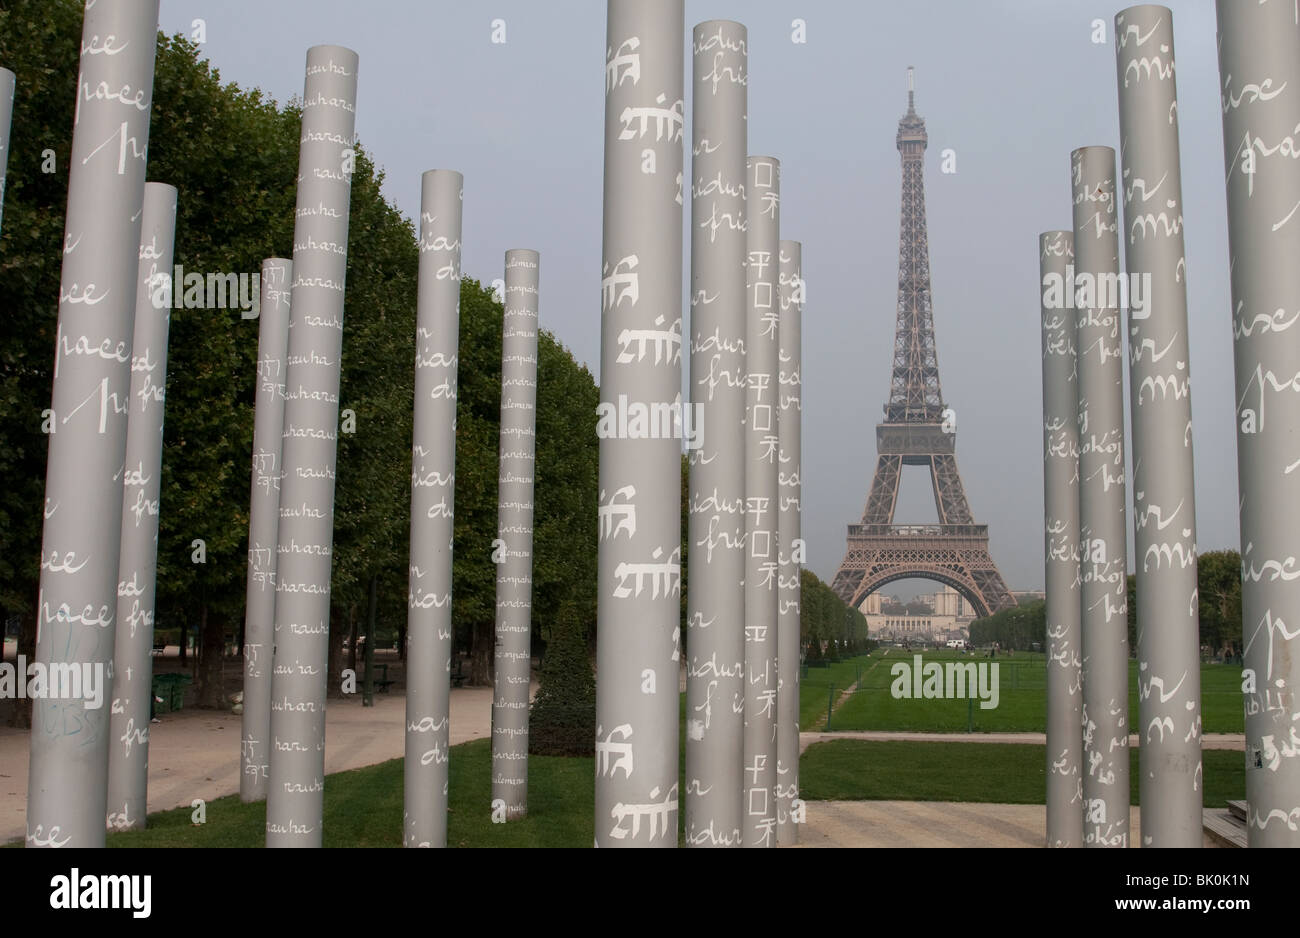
point(562, 721)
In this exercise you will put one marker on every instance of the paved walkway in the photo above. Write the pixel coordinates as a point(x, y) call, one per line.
point(930, 824)
point(195, 753)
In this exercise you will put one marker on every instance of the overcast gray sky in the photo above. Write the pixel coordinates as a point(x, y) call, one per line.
point(1011, 85)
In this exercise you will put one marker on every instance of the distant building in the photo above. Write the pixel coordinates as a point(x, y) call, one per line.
point(950, 619)
point(949, 602)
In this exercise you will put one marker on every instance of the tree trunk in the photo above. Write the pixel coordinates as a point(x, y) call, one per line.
point(480, 655)
point(21, 715)
point(352, 637)
point(372, 618)
point(334, 686)
point(211, 676)
point(185, 635)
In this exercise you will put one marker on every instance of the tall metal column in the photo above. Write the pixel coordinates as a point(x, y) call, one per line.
point(264, 527)
point(67, 793)
point(7, 83)
point(762, 451)
point(433, 491)
point(128, 754)
point(1061, 543)
point(715, 672)
point(790, 509)
point(639, 565)
point(295, 800)
point(1103, 548)
point(513, 649)
point(1259, 62)
point(1164, 490)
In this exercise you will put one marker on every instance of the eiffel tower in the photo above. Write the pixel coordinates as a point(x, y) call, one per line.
point(918, 431)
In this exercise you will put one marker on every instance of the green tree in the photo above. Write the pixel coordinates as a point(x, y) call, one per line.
point(564, 524)
point(1218, 576)
point(565, 529)
point(32, 34)
point(562, 721)
point(1218, 590)
point(824, 618)
point(810, 614)
point(1016, 628)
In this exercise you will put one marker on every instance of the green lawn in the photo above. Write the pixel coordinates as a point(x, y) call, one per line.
point(1222, 710)
point(1022, 699)
point(1003, 773)
point(1022, 690)
point(363, 808)
point(816, 685)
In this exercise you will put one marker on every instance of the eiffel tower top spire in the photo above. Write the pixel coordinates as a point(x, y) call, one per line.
point(915, 395)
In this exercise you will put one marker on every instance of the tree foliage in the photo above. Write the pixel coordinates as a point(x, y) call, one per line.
point(827, 624)
point(1015, 629)
point(1218, 591)
point(1218, 580)
point(564, 523)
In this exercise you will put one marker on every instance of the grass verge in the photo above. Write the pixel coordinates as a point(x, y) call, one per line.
point(996, 773)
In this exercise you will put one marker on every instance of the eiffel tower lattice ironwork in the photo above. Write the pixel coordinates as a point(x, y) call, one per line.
point(917, 431)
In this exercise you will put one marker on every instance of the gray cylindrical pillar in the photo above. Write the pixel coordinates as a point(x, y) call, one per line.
point(433, 491)
point(513, 650)
point(639, 567)
point(128, 754)
point(762, 451)
point(1061, 543)
point(789, 497)
point(67, 793)
point(7, 83)
point(264, 527)
point(1259, 62)
point(295, 799)
point(1103, 550)
point(715, 668)
point(1164, 491)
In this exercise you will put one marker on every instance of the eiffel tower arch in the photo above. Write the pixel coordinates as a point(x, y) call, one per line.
point(918, 430)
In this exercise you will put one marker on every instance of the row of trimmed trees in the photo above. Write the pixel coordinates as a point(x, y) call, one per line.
point(830, 627)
